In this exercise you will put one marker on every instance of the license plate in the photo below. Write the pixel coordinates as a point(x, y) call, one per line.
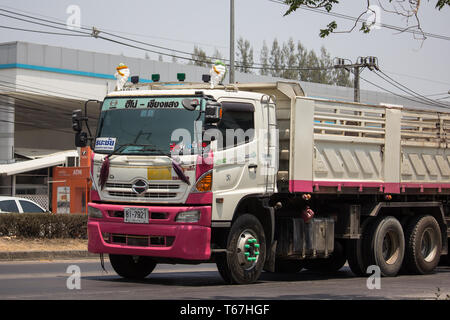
point(135, 215)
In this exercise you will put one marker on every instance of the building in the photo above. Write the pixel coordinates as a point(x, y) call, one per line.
point(41, 85)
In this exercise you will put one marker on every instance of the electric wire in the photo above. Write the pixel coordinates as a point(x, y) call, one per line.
point(355, 19)
point(99, 36)
point(408, 91)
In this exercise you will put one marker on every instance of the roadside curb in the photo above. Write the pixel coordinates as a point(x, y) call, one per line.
point(46, 255)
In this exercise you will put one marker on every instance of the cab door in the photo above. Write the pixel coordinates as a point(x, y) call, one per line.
point(237, 166)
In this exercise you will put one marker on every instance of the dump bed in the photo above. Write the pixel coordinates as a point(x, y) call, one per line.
point(334, 146)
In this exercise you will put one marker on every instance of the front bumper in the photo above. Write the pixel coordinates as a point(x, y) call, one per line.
point(188, 241)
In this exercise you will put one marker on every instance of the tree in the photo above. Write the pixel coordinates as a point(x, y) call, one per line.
point(312, 61)
point(406, 9)
point(341, 77)
point(217, 54)
point(244, 55)
point(302, 53)
point(264, 59)
point(275, 59)
point(289, 60)
point(199, 58)
point(326, 75)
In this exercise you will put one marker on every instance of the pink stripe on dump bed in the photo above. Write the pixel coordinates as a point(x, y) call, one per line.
point(311, 186)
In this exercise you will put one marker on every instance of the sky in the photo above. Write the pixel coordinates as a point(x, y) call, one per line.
point(179, 24)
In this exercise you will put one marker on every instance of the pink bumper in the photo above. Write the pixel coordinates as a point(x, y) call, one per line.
point(188, 241)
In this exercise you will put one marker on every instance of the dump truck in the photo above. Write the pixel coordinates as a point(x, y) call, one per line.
point(259, 177)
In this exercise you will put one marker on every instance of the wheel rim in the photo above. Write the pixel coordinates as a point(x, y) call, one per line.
point(247, 249)
point(428, 245)
point(391, 247)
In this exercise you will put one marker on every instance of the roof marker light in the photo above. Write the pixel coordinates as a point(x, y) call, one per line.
point(155, 77)
point(134, 79)
point(181, 76)
point(206, 78)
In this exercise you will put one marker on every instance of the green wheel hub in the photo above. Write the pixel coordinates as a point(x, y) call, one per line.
point(248, 249)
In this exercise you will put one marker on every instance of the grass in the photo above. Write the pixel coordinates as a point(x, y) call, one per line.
point(15, 244)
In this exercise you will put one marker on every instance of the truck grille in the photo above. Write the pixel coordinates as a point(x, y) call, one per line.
point(141, 241)
point(154, 191)
point(160, 195)
point(150, 187)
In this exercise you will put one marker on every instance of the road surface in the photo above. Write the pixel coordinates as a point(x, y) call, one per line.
point(49, 280)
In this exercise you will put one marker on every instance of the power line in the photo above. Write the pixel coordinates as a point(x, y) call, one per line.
point(104, 38)
point(41, 24)
point(116, 31)
point(97, 34)
point(416, 77)
point(402, 96)
point(28, 124)
point(63, 90)
point(45, 32)
point(355, 19)
point(437, 94)
point(41, 91)
point(407, 90)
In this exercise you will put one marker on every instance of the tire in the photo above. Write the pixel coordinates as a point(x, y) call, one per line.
point(288, 266)
point(331, 264)
point(356, 257)
point(245, 240)
point(423, 245)
point(132, 267)
point(386, 245)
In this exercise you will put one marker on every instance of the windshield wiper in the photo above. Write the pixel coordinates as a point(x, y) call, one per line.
point(104, 171)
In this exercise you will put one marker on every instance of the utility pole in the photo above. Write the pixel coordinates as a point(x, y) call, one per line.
point(231, 41)
point(361, 63)
point(356, 84)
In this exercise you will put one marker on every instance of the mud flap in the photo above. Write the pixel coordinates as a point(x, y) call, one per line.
point(270, 258)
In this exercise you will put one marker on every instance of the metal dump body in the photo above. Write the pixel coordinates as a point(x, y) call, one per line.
point(357, 148)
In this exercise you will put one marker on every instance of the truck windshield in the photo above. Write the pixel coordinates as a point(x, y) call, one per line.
point(148, 125)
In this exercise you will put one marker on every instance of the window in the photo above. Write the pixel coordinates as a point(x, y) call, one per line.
point(8, 206)
point(237, 123)
point(28, 206)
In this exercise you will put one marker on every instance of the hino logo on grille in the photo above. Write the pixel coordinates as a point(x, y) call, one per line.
point(140, 186)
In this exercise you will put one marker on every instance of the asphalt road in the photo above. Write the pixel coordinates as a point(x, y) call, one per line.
point(48, 280)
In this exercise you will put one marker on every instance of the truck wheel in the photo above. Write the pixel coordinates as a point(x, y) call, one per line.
point(356, 257)
point(246, 251)
point(386, 245)
point(132, 267)
point(331, 264)
point(288, 266)
point(423, 245)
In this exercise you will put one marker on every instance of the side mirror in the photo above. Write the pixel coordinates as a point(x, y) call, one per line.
point(77, 117)
point(81, 139)
point(213, 112)
point(190, 104)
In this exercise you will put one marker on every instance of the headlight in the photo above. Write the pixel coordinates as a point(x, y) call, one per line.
point(188, 216)
point(204, 183)
point(94, 213)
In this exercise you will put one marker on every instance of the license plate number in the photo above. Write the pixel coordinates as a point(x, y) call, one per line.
point(135, 215)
